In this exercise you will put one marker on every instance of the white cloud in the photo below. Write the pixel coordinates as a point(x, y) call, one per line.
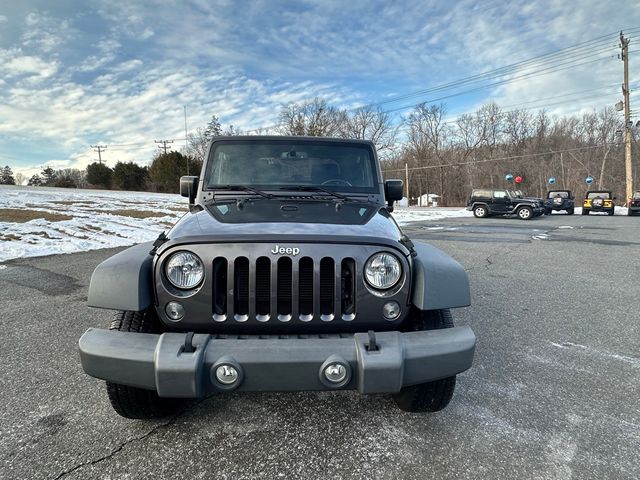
point(3, 18)
point(122, 76)
point(45, 33)
point(14, 63)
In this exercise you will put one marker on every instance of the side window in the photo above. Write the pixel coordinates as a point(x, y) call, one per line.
point(481, 194)
point(501, 194)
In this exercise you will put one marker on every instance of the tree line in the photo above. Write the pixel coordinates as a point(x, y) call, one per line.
point(443, 155)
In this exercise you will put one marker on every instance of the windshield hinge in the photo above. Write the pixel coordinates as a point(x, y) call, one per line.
point(162, 238)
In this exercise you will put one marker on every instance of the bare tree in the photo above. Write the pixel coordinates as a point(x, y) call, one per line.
point(197, 144)
point(315, 118)
point(371, 124)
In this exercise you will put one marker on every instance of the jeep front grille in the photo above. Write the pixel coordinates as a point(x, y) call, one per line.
point(283, 289)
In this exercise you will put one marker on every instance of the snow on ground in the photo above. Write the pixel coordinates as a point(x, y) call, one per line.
point(104, 219)
point(100, 219)
point(405, 216)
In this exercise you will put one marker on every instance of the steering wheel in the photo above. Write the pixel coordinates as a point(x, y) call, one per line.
point(337, 182)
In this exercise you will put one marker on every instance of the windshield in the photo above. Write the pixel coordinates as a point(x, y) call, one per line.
point(598, 194)
point(278, 164)
point(636, 196)
point(559, 194)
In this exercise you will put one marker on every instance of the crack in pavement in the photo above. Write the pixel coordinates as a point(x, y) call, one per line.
point(115, 450)
point(121, 446)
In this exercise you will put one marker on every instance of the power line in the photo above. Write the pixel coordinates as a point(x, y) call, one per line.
point(164, 144)
point(497, 73)
point(513, 157)
point(99, 149)
point(501, 82)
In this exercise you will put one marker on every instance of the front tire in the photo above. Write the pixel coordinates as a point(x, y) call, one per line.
point(585, 211)
point(480, 211)
point(570, 211)
point(430, 396)
point(525, 213)
point(612, 211)
point(133, 402)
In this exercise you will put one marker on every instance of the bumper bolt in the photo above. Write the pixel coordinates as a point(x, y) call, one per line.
point(335, 372)
point(226, 374)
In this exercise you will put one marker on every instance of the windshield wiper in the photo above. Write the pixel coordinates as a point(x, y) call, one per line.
point(243, 188)
point(314, 188)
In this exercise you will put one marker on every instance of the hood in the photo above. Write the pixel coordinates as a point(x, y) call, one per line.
point(276, 217)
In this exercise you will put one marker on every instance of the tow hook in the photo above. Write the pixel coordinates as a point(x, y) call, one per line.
point(188, 343)
point(372, 346)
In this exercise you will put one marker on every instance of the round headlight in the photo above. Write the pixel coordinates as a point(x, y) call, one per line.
point(382, 270)
point(184, 270)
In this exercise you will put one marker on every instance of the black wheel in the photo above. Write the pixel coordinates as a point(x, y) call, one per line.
point(431, 396)
point(480, 211)
point(570, 211)
point(612, 211)
point(133, 402)
point(525, 213)
point(585, 211)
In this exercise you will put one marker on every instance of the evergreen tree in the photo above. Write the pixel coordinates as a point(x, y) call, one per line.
point(99, 175)
point(214, 128)
point(166, 169)
point(35, 181)
point(6, 176)
point(130, 176)
point(48, 176)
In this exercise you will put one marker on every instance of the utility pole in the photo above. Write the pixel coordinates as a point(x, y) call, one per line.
point(406, 180)
point(164, 144)
point(186, 139)
point(624, 45)
point(99, 149)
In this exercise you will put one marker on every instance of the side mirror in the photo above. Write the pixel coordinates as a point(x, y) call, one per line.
point(189, 188)
point(393, 190)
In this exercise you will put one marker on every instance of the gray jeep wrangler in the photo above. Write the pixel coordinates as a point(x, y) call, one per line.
point(288, 273)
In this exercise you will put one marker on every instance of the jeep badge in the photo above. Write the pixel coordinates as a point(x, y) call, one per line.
point(285, 251)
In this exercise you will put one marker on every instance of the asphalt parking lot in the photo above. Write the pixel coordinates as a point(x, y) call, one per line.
point(554, 392)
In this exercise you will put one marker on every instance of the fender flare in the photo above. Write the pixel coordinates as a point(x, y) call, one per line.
point(438, 280)
point(124, 281)
point(484, 204)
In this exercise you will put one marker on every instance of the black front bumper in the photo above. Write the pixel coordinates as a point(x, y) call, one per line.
point(274, 363)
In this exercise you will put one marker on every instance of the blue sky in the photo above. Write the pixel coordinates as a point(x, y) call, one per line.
point(119, 72)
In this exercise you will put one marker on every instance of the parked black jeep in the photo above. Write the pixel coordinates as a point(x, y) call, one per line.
point(558, 200)
point(598, 201)
point(485, 202)
point(634, 204)
point(288, 273)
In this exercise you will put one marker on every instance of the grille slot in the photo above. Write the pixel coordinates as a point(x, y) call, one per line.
point(263, 286)
point(327, 286)
point(220, 289)
point(265, 289)
point(348, 293)
point(285, 286)
point(305, 288)
point(241, 287)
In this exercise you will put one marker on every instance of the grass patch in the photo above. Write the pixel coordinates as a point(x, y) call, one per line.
point(44, 235)
point(16, 215)
point(135, 213)
point(115, 234)
point(9, 237)
point(90, 228)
